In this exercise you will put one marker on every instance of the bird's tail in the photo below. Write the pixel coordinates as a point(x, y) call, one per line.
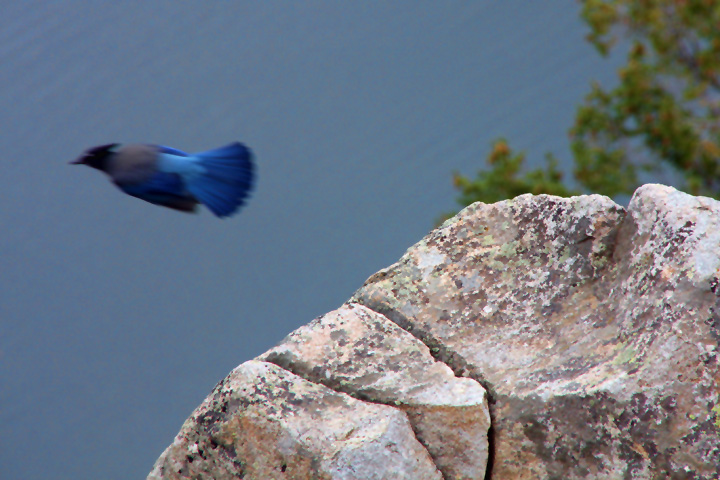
point(227, 178)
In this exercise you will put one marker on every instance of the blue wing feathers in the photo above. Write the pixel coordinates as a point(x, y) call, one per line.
point(227, 177)
point(162, 189)
point(227, 181)
point(172, 151)
point(159, 183)
point(235, 150)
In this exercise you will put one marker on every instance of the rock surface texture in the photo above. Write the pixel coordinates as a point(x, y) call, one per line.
point(359, 352)
point(262, 422)
point(592, 332)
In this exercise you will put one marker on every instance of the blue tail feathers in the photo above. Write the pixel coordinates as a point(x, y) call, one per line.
point(228, 178)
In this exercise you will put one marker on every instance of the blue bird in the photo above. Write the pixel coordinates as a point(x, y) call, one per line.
point(220, 179)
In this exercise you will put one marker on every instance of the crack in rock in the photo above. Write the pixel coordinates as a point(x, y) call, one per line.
point(288, 366)
point(263, 422)
point(593, 328)
point(360, 352)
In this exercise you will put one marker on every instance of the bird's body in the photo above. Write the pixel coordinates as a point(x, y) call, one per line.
point(220, 179)
point(133, 163)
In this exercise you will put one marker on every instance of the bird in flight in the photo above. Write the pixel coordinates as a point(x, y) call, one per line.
point(220, 179)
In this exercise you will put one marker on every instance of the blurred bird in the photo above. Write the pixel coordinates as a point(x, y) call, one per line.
point(220, 179)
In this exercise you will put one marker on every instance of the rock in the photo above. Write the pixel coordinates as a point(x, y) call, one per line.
point(262, 422)
point(360, 352)
point(594, 329)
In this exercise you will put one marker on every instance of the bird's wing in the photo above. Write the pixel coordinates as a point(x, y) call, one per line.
point(172, 151)
point(162, 188)
point(178, 162)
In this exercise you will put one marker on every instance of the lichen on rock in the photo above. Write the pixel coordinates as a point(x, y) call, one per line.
point(594, 328)
point(591, 332)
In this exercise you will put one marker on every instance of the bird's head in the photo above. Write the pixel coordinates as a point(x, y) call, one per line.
point(96, 157)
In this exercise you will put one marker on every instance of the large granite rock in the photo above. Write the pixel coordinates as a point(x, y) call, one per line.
point(595, 331)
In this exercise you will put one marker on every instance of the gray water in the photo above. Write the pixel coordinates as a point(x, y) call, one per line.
point(118, 317)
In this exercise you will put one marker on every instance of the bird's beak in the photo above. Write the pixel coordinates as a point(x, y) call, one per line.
point(78, 161)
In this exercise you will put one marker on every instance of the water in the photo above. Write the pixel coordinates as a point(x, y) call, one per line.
point(118, 317)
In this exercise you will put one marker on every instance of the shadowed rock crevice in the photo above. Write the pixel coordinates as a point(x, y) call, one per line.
point(429, 449)
point(440, 352)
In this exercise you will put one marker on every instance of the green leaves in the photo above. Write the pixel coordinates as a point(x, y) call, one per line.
point(506, 178)
point(665, 112)
point(663, 115)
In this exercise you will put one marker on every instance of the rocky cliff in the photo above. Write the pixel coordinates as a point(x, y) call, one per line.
point(538, 337)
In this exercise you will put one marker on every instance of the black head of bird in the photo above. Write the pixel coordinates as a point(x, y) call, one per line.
point(96, 157)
